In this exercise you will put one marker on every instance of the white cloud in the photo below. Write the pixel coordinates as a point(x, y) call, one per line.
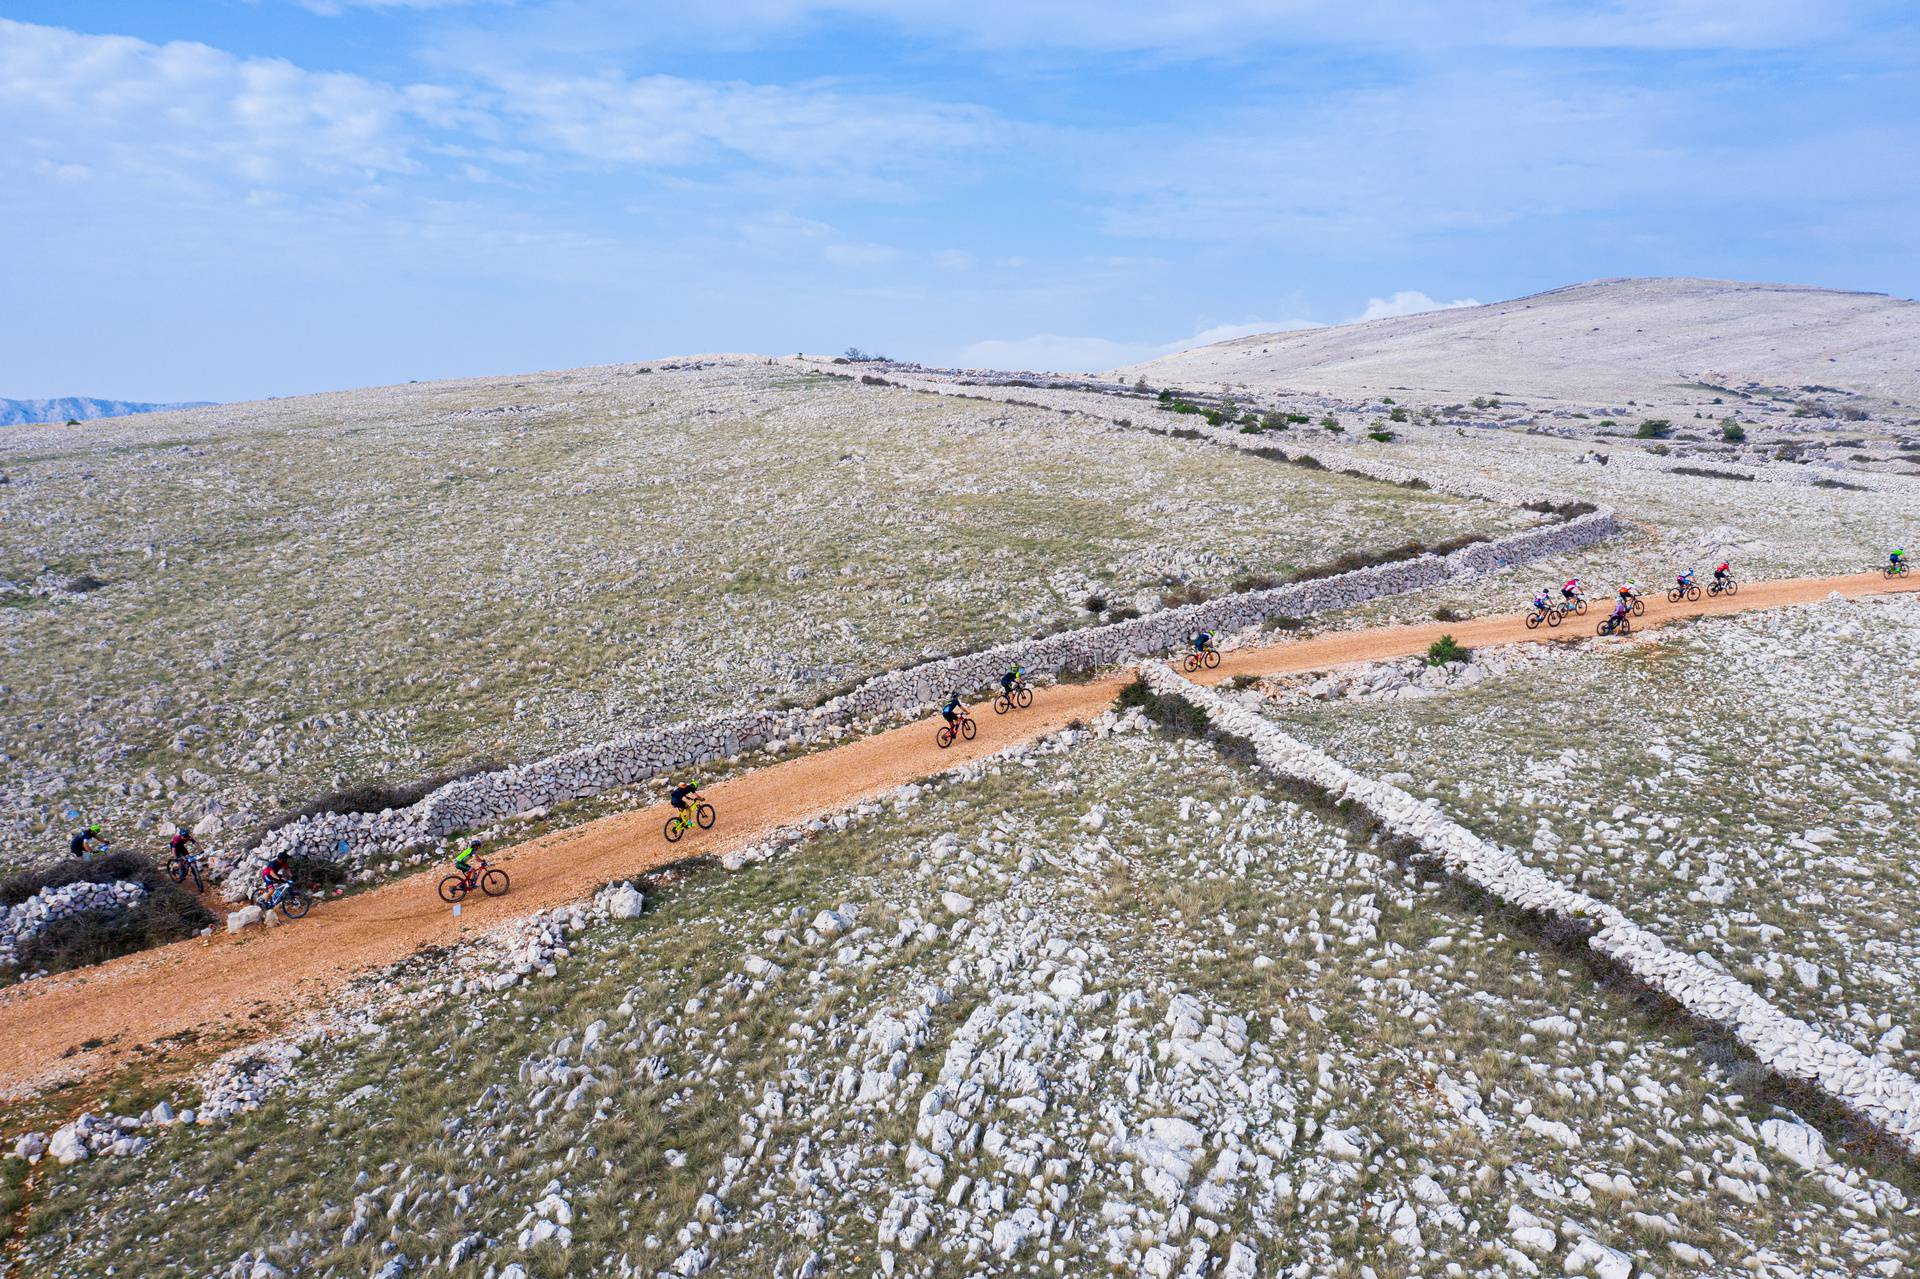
point(861, 254)
point(1406, 302)
point(189, 111)
point(663, 120)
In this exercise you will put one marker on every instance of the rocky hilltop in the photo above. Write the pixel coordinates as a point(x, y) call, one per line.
point(1602, 342)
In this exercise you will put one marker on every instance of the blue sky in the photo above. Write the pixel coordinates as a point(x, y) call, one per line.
point(231, 198)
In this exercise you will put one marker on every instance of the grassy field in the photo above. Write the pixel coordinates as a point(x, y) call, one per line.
point(1176, 1017)
point(255, 603)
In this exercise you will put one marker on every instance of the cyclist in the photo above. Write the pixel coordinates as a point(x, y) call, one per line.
point(683, 797)
point(1898, 559)
point(1203, 641)
point(1013, 676)
point(1685, 580)
point(463, 860)
point(951, 710)
point(86, 843)
point(1721, 573)
point(1570, 589)
point(275, 875)
point(182, 843)
point(1619, 612)
point(1540, 600)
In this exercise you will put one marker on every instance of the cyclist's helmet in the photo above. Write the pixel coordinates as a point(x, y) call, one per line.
point(93, 830)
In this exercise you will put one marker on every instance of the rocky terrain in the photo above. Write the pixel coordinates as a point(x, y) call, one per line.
point(1558, 960)
point(230, 611)
point(1111, 1003)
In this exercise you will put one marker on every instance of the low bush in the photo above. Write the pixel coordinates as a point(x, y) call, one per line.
point(1841, 484)
point(1710, 473)
point(1184, 433)
point(1445, 650)
point(1094, 603)
point(1733, 432)
point(1382, 437)
point(1654, 428)
point(1447, 614)
point(1398, 415)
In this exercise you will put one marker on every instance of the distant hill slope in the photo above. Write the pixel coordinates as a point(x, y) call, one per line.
point(1608, 340)
point(80, 408)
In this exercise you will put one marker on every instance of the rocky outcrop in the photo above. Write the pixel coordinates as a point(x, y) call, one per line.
point(1887, 1098)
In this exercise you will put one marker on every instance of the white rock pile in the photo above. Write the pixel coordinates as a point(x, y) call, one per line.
point(51, 906)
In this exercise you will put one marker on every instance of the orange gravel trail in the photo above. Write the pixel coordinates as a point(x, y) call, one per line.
point(178, 1004)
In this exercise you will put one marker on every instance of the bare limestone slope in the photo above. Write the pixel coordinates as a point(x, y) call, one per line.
point(1606, 341)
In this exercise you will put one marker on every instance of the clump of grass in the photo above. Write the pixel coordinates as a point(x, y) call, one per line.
point(1445, 613)
point(1733, 432)
point(1654, 428)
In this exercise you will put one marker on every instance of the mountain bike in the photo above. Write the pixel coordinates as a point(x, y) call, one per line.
point(1578, 604)
point(1552, 615)
point(489, 880)
point(184, 864)
point(1726, 587)
point(700, 813)
point(1894, 570)
point(1614, 626)
point(963, 726)
point(1207, 657)
point(1019, 697)
point(1688, 592)
point(291, 900)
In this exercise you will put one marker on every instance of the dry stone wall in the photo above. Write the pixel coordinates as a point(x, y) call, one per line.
point(355, 838)
point(1883, 1096)
point(22, 923)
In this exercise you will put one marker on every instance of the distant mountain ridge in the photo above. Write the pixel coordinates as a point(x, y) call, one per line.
point(81, 408)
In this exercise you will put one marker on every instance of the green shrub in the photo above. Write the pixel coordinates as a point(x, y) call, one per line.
point(1298, 419)
point(1654, 428)
point(1445, 650)
point(1607, 424)
point(1165, 396)
point(1384, 437)
point(1733, 432)
point(1398, 415)
point(1329, 421)
point(1274, 422)
point(168, 913)
point(1337, 429)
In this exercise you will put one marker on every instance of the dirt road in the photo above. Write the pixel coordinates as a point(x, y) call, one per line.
point(185, 1001)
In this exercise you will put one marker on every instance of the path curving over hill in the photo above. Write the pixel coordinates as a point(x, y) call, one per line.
point(193, 998)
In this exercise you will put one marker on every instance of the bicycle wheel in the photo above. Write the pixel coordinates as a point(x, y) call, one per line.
point(1534, 620)
point(1693, 595)
point(968, 728)
point(453, 888)
point(1212, 658)
point(1192, 663)
point(199, 884)
point(1733, 587)
point(294, 905)
point(493, 883)
point(1023, 696)
point(1580, 607)
point(1602, 628)
point(1001, 705)
point(944, 738)
point(178, 870)
point(704, 816)
point(675, 829)
point(1555, 617)
point(1639, 608)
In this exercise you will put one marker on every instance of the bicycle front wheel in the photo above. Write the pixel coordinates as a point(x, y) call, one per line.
point(294, 905)
point(1212, 658)
point(1733, 587)
point(968, 728)
point(1639, 609)
point(704, 815)
point(494, 883)
point(1023, 696)
point(177, 870)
